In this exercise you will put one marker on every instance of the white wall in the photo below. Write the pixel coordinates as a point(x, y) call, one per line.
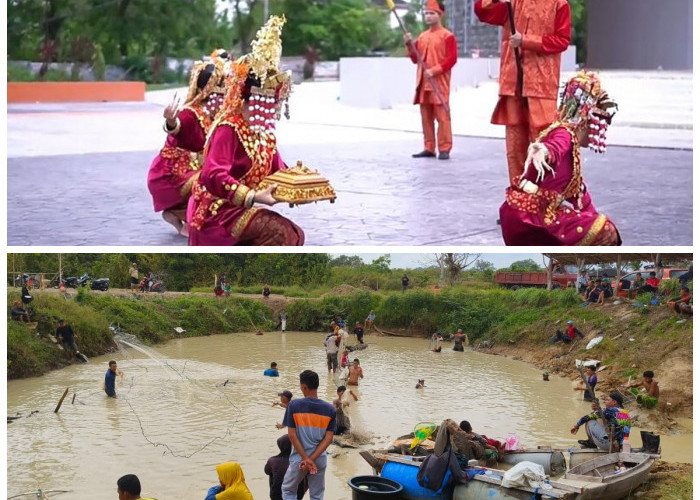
point(383, 82)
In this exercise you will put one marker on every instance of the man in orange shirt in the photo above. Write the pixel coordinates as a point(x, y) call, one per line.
point(437, 48)
point(527, 104)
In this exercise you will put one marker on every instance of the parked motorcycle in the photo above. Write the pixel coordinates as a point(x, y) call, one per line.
point(100, 284)
point(71, 282)
point(156, 286)
point(83, 280)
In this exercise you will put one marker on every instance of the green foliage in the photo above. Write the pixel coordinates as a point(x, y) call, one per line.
point(27, 354)
point(579, 21)
point(98, 63)
point(341, 28)
point(670, 288)
point(122, 29)
point(525, 266)
point(19, 74)
point(150, 320)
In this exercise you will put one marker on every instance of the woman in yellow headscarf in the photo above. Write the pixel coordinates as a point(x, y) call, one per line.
point(232, 485)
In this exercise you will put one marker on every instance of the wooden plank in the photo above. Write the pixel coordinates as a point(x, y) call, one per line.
point(60, 402)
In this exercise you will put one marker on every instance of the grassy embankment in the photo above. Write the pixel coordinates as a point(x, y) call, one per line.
point(520, 322)
point(150, 318)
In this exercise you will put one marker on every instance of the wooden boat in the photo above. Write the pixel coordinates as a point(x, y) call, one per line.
point(485, 486)
point(580, 456)
point(605, 470)
point(594, 480)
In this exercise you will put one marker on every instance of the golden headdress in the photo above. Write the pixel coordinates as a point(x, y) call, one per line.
point(263, 64)
point(215, 83)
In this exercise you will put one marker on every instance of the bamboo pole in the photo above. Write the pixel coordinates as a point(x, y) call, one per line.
point(60, 402)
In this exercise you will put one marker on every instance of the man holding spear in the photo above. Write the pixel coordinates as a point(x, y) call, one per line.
point(435, 52)
point(535, 33)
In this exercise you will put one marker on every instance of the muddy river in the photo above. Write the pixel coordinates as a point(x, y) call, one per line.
point(193, 403)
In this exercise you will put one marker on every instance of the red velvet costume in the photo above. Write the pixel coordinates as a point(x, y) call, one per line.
point(216, 213)
point(546, 29)
point(542, 219)
point(438, 49)
point(174, 170)
point(241, 151)
point(550, 204)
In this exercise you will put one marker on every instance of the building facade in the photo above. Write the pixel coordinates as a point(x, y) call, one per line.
point(622, 34)
point(640, 34)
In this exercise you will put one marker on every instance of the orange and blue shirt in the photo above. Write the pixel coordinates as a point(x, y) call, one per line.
point(617, 416)
point(311, 418)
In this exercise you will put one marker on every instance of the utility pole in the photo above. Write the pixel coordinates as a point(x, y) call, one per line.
point(266, 10)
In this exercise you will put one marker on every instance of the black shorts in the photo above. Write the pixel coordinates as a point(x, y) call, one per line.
point(134, 281)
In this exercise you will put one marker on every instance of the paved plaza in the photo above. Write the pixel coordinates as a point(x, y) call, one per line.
point(384, 196)
point(77, 174)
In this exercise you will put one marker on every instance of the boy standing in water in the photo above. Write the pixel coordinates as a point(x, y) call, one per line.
point(355, 373)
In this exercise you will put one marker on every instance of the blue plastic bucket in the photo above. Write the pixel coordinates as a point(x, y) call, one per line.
point(405, 474)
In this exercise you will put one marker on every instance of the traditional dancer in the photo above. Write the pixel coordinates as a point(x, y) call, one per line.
point(551, 204)
point(176, 167)
point(241, 151)
point(530, 66)
point(435, 52)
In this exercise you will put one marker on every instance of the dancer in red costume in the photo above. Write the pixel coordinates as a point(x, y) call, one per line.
point(175, 169)
point(241, 151)
point(551, 205)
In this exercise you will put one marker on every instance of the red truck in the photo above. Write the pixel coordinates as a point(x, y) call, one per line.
point(562, 275)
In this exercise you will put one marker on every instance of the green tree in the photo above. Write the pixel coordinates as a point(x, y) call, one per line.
point(525, 266)
point(339, 28)
point(349, 261)
point(485, 269)
point(579, 24)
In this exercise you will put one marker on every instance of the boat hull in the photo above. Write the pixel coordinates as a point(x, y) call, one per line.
point(617, 486)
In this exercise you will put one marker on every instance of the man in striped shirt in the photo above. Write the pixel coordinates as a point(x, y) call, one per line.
point(310, 424)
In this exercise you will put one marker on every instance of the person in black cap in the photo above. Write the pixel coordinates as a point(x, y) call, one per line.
point(613, 413)
point(285, 398)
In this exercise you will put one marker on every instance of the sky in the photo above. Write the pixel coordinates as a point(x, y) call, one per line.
point(416, 260)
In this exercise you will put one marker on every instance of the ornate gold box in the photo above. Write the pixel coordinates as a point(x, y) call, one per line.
point(299, 185)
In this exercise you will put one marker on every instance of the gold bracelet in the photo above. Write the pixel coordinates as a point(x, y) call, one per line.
point(250, 198)
point(173, 131)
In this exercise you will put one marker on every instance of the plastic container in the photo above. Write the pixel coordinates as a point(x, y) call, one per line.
point(405, 474)
point(374, 487)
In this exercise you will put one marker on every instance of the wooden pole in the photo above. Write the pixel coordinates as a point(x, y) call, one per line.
point(60, 402)
point(518, 57)
point(619, 273)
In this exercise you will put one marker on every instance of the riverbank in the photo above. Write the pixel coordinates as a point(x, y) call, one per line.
point(502, 322)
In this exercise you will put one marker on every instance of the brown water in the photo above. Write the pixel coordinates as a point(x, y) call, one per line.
point(175, 420)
